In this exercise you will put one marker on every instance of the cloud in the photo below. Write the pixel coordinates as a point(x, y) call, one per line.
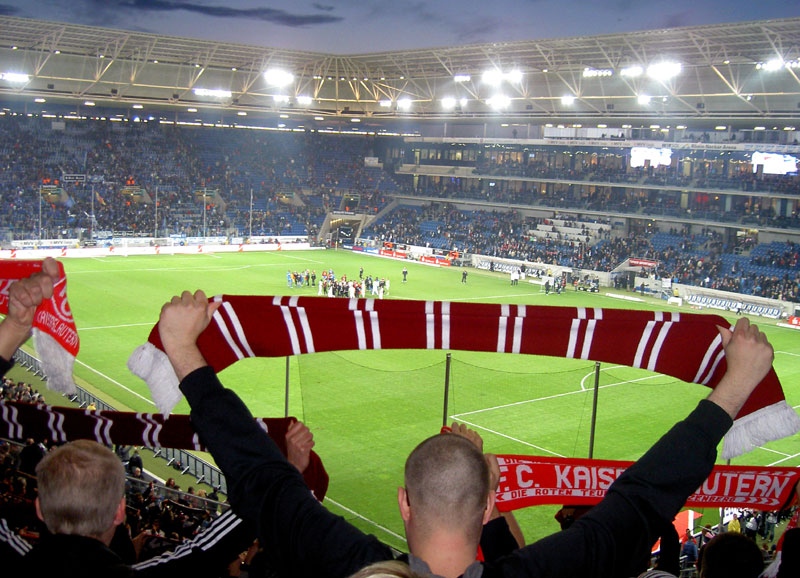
point(676, 20)
point(272, 15)
point(324, 7)
point(6, 10)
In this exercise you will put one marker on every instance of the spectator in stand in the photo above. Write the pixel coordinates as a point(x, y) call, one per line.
point(135, 462)
point(30, 456)
point(730, 554)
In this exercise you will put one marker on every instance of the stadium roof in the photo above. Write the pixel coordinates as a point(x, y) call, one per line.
point(737, 73)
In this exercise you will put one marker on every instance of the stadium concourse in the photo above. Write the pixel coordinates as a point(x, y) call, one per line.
point(680, 167)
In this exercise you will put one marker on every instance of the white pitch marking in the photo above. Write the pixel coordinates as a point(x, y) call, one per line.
point(115, 382)
point(376, 524)
point(783, 460)
point(199, 269)
point(591, 373)
point(115, 326)
point(789, 353)
point(774, 451)
point(493, 297)
point(555, 396)
point(540, 448)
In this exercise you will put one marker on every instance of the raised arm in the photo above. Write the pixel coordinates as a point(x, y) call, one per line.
point(24, 296)
point(301, 536)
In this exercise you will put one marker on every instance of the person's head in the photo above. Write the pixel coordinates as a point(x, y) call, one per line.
point(446, 488)
point(731, 554)
point(81, 490)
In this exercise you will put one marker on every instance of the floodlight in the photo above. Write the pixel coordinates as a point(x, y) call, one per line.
point(212, 92)
point(595, 72)
point(137, 106)
point(39, 100)
point(14, 77)
point(632, 71)
point(760, 128)
point(281, 125)
point(771, 65)
point(681, 127)
point(304, 100)
point(626, 126)
point(514, 76)
point(643, 99)
point(278, 77)
point(280, 98)
point(284, 116)
point(492, 77)
point(721, 127)
point(319, 118)
point(191, 110)
point(788, 128)
point(602, 126)
point(567, 100)
point(448, 103)
point(655, 126)
point(355, 120)
point(88, 103)
point(404, 103)
point(498, 101)
point(664, 70)
point(385, 103)
point(241, 113)
point(462, 78)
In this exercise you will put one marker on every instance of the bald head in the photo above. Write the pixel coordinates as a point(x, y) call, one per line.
point(447, 481)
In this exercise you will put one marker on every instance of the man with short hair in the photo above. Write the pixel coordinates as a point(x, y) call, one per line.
point(81, 501)
point(81, 491)
point(304, 539)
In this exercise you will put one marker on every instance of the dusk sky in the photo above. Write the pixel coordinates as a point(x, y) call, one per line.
point(355, 26)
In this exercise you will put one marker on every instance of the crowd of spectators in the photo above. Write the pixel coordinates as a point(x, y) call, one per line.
point(11, 390)
point(144, 179)
point(692, 259)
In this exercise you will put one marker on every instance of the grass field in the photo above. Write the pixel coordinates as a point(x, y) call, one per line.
point(369, 409)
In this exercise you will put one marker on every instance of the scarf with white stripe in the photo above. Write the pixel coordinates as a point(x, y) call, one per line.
point(682, 345)
point(20, 420)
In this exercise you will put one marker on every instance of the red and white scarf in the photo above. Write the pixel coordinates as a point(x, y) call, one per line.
point(54, 333)
point(20, 420)
point(683, 345)
point(535, 480)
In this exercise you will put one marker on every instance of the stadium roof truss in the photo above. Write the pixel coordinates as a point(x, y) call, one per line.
point(729, 72)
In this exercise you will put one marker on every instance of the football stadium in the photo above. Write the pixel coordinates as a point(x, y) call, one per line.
point(534, 224)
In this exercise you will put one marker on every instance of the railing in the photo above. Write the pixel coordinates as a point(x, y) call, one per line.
point(183, 461)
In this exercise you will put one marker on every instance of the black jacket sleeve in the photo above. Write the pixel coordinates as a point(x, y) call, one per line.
point(615, 533)
point(302, 537)
point(5, 365)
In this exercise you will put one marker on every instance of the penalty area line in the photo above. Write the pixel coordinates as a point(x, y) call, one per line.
point(115, 382)
point(361, 517)
point(508, 437)
point(116, 326)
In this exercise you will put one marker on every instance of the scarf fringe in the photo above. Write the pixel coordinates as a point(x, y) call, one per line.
point(153, 366)
point(56, 361)
point(767, 424)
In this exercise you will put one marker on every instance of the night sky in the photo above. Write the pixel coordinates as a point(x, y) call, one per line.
point(356, 26)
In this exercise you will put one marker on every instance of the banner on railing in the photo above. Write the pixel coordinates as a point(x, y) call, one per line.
point(533, 481)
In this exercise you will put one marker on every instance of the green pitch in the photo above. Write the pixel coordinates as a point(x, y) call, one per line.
point(369, 409)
